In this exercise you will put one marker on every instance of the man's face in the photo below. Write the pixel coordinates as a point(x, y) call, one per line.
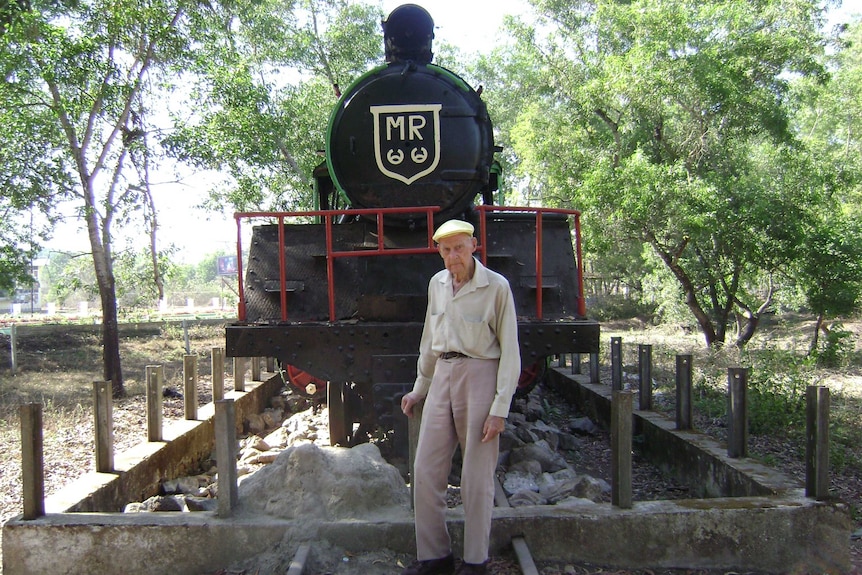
point(457, 253)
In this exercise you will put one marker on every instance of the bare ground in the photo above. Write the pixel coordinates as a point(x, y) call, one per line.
point(58, 370)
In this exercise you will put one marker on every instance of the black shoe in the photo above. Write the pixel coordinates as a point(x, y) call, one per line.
point(441, 566)
point(472, 568)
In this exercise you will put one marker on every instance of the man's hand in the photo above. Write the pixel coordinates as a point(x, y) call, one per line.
point(408, 401)
point(494, 426)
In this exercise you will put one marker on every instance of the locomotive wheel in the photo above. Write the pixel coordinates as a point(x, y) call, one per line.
point(530, 376)
point(340, 422)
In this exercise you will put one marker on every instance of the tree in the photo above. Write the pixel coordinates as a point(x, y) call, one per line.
point(828, 119)
point(268, 79)
point(667, 124)
point(78, 77)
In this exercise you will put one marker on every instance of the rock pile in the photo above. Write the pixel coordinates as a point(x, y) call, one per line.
point(291, 472)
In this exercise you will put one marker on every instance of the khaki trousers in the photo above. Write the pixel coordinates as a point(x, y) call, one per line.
point(455, 410)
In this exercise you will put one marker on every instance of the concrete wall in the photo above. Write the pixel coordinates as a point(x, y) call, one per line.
point(689, 456)
point(778, 534)
point(138, 471)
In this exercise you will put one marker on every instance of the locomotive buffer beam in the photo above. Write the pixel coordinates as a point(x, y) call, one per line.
point(348, 351)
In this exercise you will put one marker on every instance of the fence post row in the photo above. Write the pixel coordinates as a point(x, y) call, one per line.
point(594, 368)
point(155, 375)
point(737, 412)
point(621, 449)
point(817, 441)
point(645, 376)
point(226, 454)
point(239, 366)
point(32, 460)
point(190, 385)
point(255, 369)
point(616, 363)
point(104, 426)
point(683, 392)
point(576, 364)
point(218, 373)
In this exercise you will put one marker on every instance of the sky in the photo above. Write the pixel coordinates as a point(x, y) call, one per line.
point(472, 25)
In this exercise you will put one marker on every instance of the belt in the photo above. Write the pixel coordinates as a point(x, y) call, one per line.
point(452, 355)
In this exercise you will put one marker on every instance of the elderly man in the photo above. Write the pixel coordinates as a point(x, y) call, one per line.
point(468, 369)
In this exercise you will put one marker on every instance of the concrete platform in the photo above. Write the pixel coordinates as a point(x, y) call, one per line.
point(771, 527)
point(779, 534)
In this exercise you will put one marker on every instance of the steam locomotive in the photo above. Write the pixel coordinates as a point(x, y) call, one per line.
point(338, 295)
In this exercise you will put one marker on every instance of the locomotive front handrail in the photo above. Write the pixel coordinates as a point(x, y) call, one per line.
point(382, 250)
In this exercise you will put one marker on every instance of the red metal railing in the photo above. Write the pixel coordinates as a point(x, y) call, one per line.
point(382, 250)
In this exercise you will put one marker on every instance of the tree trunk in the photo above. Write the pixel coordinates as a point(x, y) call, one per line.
point(101, 247)
point(816, 337)
point(750, 326)
point(113, 371)
point(688, 289)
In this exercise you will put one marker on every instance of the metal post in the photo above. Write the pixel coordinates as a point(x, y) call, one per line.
point(190, 385)
point(616, 363)
point(239, 373)
point(155, 375)
point(817, 441)
point(645, 376)
point(561, 360)
point(576, 364)
point(226, 451)
point(270, 365)
point(255, 369)
point(32, 460)
point(218, 373)
point(683, 392)
point(594, 368)
point(621, 449)
point(104, 426)
point(737, 412)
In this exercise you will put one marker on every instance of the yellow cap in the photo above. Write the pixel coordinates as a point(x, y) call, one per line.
point(451, 228)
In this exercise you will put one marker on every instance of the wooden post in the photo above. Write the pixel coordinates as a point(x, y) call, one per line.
point(155, 375)
point(186, 336)
point(616, 363)
point(226, 451)
point(104, 426)
point(218, 373)
point(817, 441)
point(594, 368)
point(645, 376)
point(32, 460)
point(683, 392)
point(190, 386)
point(621, 449)
point(737, 412)
point(576, 364)
point(239, 373)
point(13, 347)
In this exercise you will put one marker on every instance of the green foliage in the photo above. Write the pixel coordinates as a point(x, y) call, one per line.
point(263, 91)
point(668, 125)
point(836, 349)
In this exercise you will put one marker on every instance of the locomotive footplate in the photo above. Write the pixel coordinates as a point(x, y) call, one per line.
point(347, 351)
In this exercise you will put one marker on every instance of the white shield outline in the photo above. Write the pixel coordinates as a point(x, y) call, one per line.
point(403, 109)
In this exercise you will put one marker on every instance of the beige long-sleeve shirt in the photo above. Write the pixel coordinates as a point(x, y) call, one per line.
point(478, 321)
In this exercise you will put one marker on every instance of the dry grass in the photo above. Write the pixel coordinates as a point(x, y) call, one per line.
point(57, 369)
